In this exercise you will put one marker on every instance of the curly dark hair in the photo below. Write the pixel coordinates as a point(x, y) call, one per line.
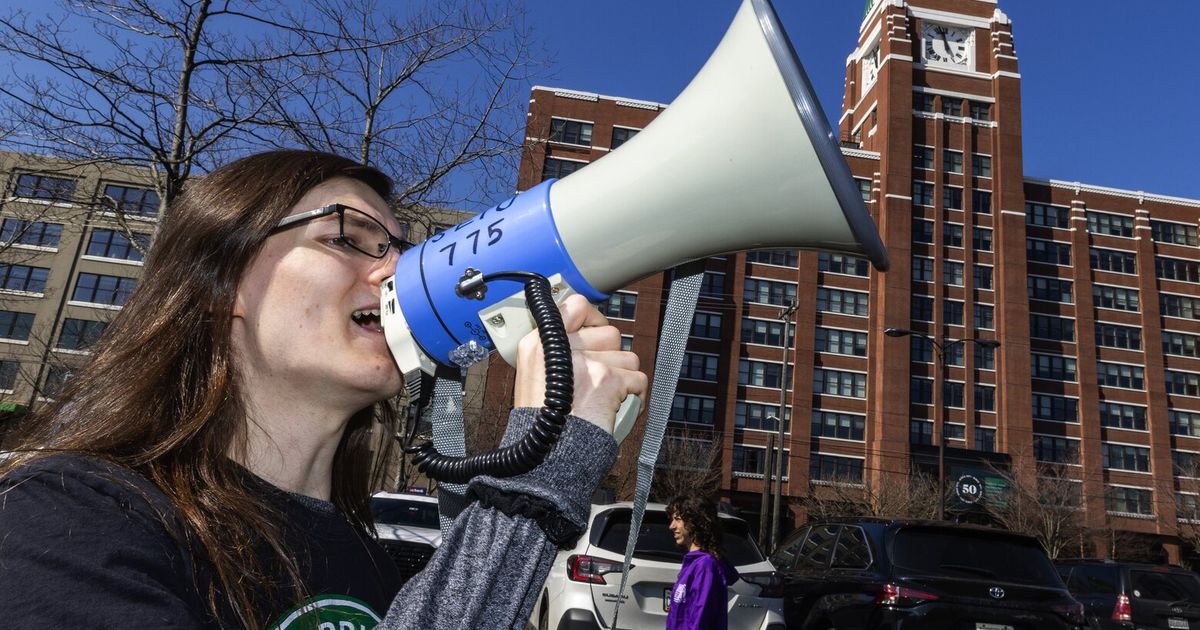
point(699, 515)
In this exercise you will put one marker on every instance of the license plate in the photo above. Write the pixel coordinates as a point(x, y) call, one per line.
point(667, 600)
point(992, 626)
point(1177, 622)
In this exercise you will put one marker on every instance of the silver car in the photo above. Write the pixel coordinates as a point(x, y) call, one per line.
point(581, 590)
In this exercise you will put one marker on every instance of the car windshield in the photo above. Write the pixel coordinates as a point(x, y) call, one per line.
point(972, 554)
point(402, 512)
point(1165, 586)
point(655, 541)
point(1083, 579)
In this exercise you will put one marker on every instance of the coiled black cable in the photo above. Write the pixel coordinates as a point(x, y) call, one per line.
point(532, 449)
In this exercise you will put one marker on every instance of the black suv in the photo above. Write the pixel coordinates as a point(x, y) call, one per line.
point(1125, 595)
point(876, 573)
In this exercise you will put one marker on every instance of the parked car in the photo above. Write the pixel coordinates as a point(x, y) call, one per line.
point(581, 590)
point(874, 573)
point(407, 526)
point(1127, 595)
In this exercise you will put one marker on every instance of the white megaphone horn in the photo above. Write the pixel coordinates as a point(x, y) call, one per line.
point(743, 159)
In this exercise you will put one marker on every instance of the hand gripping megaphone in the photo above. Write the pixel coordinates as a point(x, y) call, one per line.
point(743, 159)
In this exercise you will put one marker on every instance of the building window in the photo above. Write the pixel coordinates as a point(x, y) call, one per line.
point(920, 432)
point(833, 424)
point(554, 168)
point(699, 367)
point(1120, 375)
point(864, 188)
point(952, 313)
point(1177, 233)
point(34, 186)
point(1055, 450)
point(952, 161)
point(101, 289)
point(777, 257)
point(763, 374)
point(1049, 252)
point(1114, 336)
point(766, 332)
point(922, 194)
point(694, 409)
point(922, 308)
point(835, 469)
point(1183, 306)
point(1185, 463)
point(839, 383)
point(1117, 298)
point(1184, 422)
point(835, 341)
point(1121, 416)
point(952, 273)
point(748, 415)
point(985, 398)
point(956, 431)
point(56, 379)
point(32, 233)
point(985, 316)
point(981, 239)
point(985, 357)
point(981, 201)
point(15, 325)
point(920, 349)
point(922, 230)
point(1179, 344)
point(839, 301)
point(923, 102)
point(985, 439)
point(626, 343)
point(1051, 327)
point(1049, 289)
point(620, 305)
point(1111, 224)
point(114, 244)
point(1055, 408)
point(706, 325)
point(980, 111)
point(843, 264)
point(923, 158)
point(1053, 367)
point(1047, 215)
point(1124, 457)
point(952, 197)
point(752, 460)
point(982, 276)
point(621, 135)
point(769, 292)
point(951, 106)
point(981, 165)
point(952, 235)
point(712, 285)
point(1177, 269)
point(23, 278)
point(1112, 260)
point(922, 269)
point(80, 334)
point(1183, 383)
point(141, 202)
point(570, 131)
point(8, 375)
point(1125, 500)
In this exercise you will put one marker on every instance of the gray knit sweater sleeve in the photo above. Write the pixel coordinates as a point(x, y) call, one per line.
point(490, 567)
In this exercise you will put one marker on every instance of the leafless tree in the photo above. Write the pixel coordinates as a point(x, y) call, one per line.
point(893, 496)
point(1047, 505)
point(689, 462)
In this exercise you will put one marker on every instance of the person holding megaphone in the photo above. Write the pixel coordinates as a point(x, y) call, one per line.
point(211, 466)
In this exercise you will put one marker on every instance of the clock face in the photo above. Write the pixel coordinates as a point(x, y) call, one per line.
point(870, 65)
point(946, 44)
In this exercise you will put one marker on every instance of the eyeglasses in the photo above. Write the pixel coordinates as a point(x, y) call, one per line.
point(356, 229)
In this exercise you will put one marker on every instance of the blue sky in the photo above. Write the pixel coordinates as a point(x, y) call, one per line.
point(1109, 88)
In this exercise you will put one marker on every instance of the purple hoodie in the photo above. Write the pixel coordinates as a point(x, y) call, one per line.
point(699, 597)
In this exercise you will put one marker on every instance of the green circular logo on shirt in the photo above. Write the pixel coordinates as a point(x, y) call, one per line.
point(329, 612)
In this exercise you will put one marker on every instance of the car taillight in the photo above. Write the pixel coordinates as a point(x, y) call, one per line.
point(894, 595)
point(589, 569)
point(1073, 612)
point(770, 582)
point(1122, 611)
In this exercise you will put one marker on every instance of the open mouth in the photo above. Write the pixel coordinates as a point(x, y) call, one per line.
point(368, 319)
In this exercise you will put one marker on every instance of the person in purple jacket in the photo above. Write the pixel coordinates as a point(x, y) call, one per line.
point(698, 599)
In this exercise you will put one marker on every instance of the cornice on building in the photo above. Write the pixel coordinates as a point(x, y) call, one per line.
point(592, 96)
point(1139, 195)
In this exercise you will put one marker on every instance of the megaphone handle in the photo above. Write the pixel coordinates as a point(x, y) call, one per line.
point(627, 416)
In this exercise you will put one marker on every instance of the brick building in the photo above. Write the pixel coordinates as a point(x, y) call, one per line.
point(1090, 291)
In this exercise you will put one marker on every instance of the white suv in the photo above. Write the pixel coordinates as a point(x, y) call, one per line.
point(581, 590)
point(407, 526)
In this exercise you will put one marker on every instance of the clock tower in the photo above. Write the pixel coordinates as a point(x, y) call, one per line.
point(932, 118)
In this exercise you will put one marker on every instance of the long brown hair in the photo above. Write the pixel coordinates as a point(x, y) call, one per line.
point(161, 395)
point(699, 515)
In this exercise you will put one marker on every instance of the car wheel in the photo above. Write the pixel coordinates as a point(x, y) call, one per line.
point(544, 617)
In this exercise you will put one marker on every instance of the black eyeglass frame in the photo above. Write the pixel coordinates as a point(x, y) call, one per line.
point(340, 210)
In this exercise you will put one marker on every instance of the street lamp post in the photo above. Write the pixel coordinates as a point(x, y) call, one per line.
point(940, 348)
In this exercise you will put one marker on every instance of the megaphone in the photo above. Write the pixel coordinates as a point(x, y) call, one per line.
point(743, 159)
